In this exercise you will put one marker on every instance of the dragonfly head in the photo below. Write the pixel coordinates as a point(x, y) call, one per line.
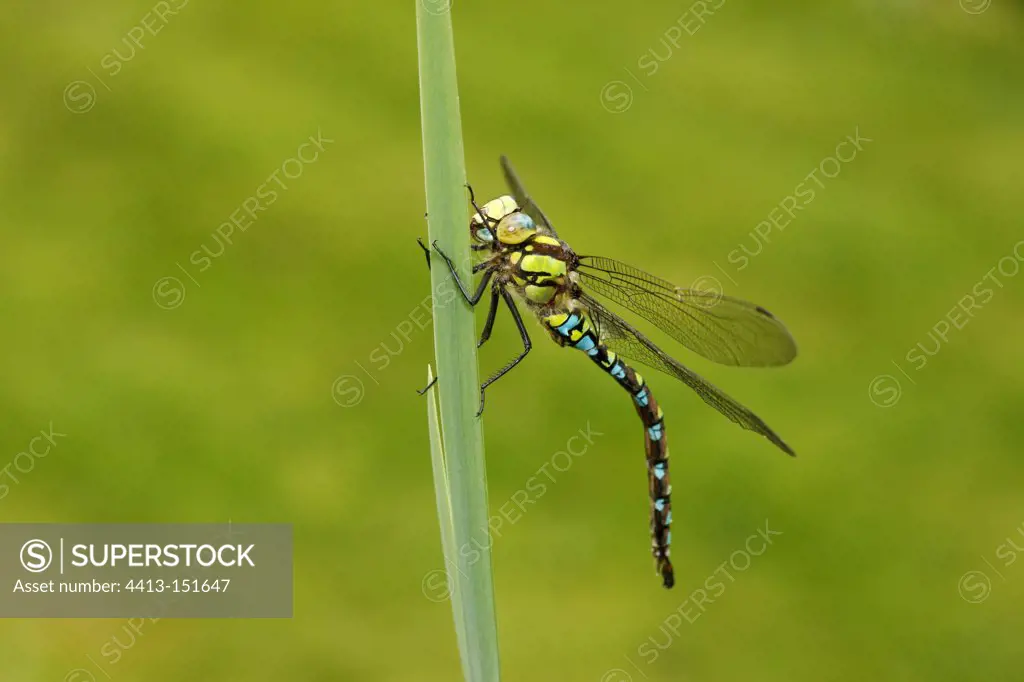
point(483, 225)
point(500, 221)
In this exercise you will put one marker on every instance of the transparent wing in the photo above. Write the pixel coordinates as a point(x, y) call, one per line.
point(618, 335)
point(723, 329)
point(528, 206)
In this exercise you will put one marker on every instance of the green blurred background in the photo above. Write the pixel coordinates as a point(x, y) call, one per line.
point(219, 399)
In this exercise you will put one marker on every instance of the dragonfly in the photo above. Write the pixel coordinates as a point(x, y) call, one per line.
point(521, 257)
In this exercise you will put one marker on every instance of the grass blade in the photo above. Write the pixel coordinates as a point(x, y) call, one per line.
point(458, 391)
point(444, 515)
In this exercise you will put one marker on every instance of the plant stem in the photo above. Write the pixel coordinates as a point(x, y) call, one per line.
point(458, 386)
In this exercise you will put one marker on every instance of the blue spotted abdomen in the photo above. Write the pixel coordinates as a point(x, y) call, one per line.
point(578, 331)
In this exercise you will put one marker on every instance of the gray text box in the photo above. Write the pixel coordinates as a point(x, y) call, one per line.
point(50, 570)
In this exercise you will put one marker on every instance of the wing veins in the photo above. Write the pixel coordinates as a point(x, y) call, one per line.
point(721, 328)
point(636, 301)
point(628, 342)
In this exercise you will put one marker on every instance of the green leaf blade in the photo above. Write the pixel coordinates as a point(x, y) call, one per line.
point(458, 391)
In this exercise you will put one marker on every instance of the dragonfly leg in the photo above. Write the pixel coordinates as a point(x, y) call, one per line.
point(427, 387)
point(527, 345)
point(484, 336)
point(471, 299)
point(426, 251)
point(492, 312)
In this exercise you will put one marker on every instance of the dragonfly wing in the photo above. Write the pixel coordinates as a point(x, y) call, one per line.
point(720, 328)
point(519, 193)
point(618, 335)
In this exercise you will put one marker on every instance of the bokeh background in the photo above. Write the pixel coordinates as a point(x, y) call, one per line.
point(277, 383)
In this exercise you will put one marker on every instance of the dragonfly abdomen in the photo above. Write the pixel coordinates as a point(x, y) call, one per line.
point(578, 331)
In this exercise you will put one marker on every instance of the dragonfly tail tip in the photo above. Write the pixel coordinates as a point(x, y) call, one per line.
point(668, 576)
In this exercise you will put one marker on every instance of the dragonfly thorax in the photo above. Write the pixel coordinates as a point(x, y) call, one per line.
point(539, 268)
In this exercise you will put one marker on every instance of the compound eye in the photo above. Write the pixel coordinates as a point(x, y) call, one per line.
point(519, 221)
point(484, 234)
point(515, 229)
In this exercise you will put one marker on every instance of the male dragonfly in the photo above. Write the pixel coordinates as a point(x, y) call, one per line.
point(522, 254)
